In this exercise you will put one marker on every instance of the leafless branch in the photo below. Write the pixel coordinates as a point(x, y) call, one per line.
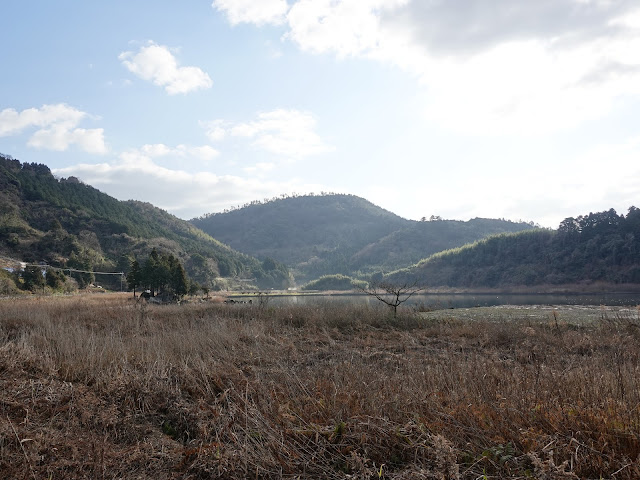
point(392, 294)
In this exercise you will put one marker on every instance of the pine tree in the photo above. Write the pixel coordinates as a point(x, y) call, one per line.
point(178, 282)
point(134, 277)
point(151, 272)
point(33, 278)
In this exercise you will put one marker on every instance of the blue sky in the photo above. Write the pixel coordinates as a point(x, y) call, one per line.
point(492, 108)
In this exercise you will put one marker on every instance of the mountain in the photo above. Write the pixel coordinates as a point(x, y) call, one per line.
point(64, 222)
point(316, 235)
point(601, 247)
point(422, 239)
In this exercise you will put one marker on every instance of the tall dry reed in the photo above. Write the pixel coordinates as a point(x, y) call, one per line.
point(104, 387)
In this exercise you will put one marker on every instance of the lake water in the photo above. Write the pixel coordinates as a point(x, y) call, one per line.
point(466, 300)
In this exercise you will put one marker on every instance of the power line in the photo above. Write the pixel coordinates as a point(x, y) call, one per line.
point(59, 269)
point(77, 271)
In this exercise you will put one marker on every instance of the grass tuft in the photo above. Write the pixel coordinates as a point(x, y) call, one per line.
point(108, 388)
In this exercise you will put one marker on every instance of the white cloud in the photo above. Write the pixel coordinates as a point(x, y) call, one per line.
point(347, 27)
point(13, 122)
point(469, 26)
point(57, 128)
point(156, 150)
point(216, 130)
point(501, 67)
point(157, 64)
point(588, 182)
point(252, 11)
point(260, 168)
point(59, 138)
point(204, 153)
point(289, 133)
point(187, 195)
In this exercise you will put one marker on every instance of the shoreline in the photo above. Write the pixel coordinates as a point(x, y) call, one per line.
point(568, 290)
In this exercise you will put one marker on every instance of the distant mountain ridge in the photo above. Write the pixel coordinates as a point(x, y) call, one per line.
point(317, 235)
point(293, 229)
point(598, 248)
point(422, 239)
point(67, 223)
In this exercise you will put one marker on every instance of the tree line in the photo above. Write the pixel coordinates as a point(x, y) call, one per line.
point(598, 247)
point(161, 274)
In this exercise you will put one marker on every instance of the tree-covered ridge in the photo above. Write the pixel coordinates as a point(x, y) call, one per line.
point(598, 247)
point(330, 234)
point(294, 229)
point(64, 222)
point(422, 239)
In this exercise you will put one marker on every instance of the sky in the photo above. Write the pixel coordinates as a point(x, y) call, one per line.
point(516, 109)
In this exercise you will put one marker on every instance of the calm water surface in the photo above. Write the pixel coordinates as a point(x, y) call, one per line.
point(472, 300)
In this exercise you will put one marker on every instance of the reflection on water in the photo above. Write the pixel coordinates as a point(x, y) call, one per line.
point(440, 301)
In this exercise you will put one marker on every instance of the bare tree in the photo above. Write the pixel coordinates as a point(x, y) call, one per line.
point(392, 294)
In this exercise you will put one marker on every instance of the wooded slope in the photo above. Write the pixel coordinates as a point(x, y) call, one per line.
point(64, 222)
point(598, 247)
point(317, 235)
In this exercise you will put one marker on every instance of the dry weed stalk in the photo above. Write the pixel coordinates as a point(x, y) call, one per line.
point(104, 389)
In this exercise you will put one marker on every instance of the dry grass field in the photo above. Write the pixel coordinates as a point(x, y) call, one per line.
point(103, 387)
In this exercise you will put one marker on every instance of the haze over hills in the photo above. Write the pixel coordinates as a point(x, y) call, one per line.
point(341, 234)
point(66, 223)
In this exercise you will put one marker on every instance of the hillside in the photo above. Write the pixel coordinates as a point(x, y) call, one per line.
point(340, 234)
point(598, 247)
point(66, 223)
point(314, 234)
point(422, 239)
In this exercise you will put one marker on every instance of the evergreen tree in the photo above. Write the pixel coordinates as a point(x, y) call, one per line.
point(178, 277)
point(150, 272)
point(134, 277)
point(54, 279)
point(162, 274)
point(32, 278)
point(82, 261)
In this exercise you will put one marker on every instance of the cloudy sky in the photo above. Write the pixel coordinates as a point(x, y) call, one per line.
point(494, 108)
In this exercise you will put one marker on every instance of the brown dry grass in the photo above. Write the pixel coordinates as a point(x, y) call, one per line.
point(102, 387)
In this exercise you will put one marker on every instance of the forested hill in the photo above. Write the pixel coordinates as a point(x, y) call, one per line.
point(295, 229)
point(422, 239)
point(346, 234)
point(67, 223)
point(598, 247)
